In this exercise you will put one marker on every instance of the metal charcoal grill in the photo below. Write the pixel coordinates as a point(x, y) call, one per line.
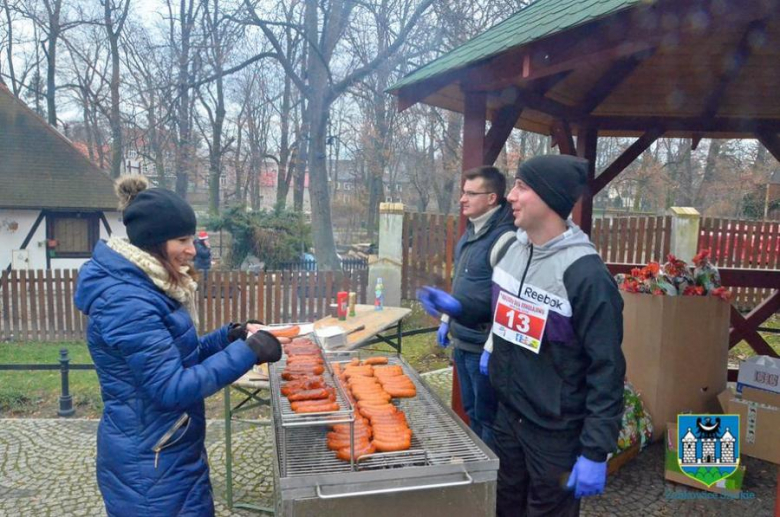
point(447, 471)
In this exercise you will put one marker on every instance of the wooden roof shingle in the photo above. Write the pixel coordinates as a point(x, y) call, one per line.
point(41, 169)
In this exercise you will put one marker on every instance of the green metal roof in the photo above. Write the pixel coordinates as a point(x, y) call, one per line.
point(541, 19)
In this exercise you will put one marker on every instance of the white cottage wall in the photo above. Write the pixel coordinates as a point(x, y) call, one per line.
point(14, 227)
point(16, 224)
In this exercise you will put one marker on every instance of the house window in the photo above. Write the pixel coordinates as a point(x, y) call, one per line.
point(132, 154)
point(72, 234)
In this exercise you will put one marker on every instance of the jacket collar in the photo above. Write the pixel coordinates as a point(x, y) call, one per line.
point(119, 267)
point(498, 216)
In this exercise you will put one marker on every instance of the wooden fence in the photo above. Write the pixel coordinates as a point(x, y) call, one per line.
point(38, 305)
point(428, 251)
point(632, 240)
point(430, 241)
point(742, 244)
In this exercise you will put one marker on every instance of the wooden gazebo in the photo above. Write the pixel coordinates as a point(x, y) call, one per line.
point(578, 70)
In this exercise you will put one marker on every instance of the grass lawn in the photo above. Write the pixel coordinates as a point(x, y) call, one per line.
point(35, 394)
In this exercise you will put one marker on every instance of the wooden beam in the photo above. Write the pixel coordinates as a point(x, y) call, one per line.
point(611, 79)
point(587, 140)
point(771, 141)
point(503, 123)
point(625, 159)
point(762, 312)
point(732, 68)
point(505, 119)
point(688, 124)
point(563, 137)
point(695, 141)
point(741, 329)
point(539, 102)
point(474, 118)
point(415, 93)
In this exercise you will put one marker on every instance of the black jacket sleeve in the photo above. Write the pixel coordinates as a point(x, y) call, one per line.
point(597, 318)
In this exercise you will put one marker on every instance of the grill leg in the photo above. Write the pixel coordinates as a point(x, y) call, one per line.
point(228, 449)
point(229, 456)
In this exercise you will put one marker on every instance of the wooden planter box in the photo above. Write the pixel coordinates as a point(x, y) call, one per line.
point(676, 350)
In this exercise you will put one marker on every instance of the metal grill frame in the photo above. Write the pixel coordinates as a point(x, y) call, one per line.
point(444, 449)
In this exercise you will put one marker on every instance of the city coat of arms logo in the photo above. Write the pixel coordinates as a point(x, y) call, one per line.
point(708, 446)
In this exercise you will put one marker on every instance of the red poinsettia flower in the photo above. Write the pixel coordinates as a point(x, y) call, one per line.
point(652, 269)
point(722, 293)
point(702, 257)
point(694, 290)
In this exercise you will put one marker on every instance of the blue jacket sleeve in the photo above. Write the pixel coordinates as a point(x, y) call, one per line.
point(213, 342)
point(134, 326)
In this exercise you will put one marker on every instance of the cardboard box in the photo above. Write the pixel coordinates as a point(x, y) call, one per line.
point(761, 372)
point(759, 421)
point(676, 350)
point(731, 486)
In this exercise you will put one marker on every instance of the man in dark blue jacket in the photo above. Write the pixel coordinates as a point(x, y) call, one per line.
point(490, 230)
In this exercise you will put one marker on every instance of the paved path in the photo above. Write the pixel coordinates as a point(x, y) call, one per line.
point(47, 468)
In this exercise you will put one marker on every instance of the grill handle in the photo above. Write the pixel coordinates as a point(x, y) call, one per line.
point(469, 480)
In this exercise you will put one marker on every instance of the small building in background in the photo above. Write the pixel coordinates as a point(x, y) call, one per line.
point(54, 203)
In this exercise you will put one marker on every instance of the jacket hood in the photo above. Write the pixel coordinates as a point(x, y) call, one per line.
point(573, 236)
point(106, 269)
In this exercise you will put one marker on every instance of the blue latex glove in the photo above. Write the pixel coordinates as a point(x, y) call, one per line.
point(484, 359)
point(435, 301)
point(587, 478)
point(441, 335)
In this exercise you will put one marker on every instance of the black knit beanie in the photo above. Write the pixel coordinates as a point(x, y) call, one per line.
point(153, 215)
point(558, 179)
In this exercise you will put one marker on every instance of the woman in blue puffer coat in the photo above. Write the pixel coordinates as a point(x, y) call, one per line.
point(154, 370)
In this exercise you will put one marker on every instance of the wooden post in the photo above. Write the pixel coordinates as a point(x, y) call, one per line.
point(587, 138)
point(389, 262)
point(474, 117)
point(684, 240)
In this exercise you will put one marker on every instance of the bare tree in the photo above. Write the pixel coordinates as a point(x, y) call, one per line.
point(114, 17)
point(182, 20)
point(220, 37)
point(49, 17)
point(324, 28)
point(150, 84)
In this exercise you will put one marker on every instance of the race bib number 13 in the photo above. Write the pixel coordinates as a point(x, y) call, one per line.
point(519, 321)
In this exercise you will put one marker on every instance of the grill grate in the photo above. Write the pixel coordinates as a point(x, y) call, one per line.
point(436, 438)
point(290, 418)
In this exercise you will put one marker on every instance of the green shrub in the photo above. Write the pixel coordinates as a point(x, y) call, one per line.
point(272, 236)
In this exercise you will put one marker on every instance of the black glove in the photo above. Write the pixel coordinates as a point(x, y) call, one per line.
point(238, 330)
point(265, 346)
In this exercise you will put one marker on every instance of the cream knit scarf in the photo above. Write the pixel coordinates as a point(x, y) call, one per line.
point(187, 294)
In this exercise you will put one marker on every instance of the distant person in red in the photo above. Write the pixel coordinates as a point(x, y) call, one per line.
point(203, 255)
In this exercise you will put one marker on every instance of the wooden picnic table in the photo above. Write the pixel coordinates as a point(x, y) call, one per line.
point(374, 322)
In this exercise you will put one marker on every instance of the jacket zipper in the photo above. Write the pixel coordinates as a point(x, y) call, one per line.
point(527, 266)
point(162, 442)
